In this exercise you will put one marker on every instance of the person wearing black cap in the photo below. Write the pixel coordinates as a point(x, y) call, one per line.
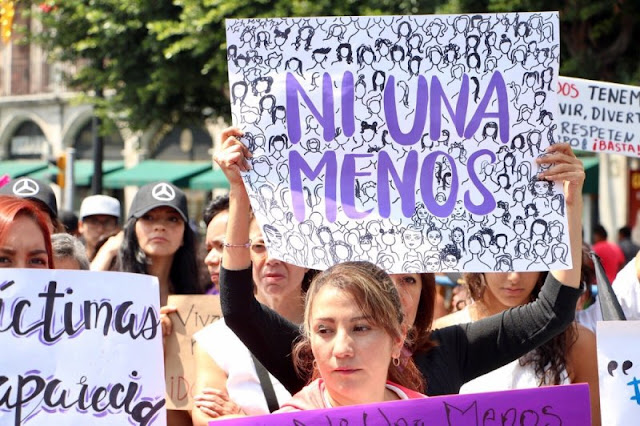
point(157, 240)
point(38, 191)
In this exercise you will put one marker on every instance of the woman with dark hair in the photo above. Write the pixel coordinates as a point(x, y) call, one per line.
point(449, 357)
point(157, 240)
point(569, 357)
point(25, 241)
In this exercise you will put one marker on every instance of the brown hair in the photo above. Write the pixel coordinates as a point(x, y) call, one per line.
point(419, 336)
point(376, 295)
point(548, 360)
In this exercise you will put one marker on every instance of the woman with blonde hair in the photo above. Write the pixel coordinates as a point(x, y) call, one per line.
point(456, 354)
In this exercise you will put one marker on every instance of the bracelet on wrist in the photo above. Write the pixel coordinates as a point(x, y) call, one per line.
point(230, 245)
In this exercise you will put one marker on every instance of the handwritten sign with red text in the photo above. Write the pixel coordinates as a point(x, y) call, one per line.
point(598, 116)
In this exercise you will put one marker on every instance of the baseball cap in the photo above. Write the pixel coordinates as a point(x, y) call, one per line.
point(159, 194)
point(33, 189)
point(99, 204)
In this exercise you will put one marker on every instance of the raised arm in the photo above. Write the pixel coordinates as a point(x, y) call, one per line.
point(568, 169)
point(485, 345)
point(268, 335)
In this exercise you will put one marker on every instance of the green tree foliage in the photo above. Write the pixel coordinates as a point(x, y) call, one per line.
point(165, 60)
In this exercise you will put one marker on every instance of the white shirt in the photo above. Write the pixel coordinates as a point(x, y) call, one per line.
point(234, 358)
point(507, 377)
point(627, 289)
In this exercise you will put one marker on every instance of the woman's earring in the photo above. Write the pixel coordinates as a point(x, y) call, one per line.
point(315, 364)
point(396, 361)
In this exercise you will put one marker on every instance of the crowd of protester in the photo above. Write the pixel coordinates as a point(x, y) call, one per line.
point(296, 339)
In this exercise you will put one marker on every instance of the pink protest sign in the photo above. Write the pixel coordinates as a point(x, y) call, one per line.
point(552, 405)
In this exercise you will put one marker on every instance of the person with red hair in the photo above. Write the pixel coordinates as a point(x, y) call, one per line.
point(25, 241)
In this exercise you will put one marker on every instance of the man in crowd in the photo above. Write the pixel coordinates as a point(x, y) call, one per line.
point(99, 216)
point(610, 254)
point(628, 247)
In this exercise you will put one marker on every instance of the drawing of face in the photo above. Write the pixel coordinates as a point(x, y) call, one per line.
point(433, 263)
point(365, 243)
point(388, 238)
point(450, 261)
point(436, 57)
point(493, 248)
point(530, 210)
point(503, 265)
point(518, 196)
point(434, 237)
point(261, 166)
point(538, 228)
point(367, 57)
point(373, 228)
point(458, 236)
point(540, 187)
point(458, 210)
point(558, 252)
point(519, 228)
point(540, 248)
point(421, 212)
point(412, 238)
point(554, 231)
point(475, 246)
point(397, 55)
point(556, 204)
point(523, 247)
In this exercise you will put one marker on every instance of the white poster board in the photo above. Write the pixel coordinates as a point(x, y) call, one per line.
point(599, 116)
point(407, 141)
point(619, 371)
point(80, 348)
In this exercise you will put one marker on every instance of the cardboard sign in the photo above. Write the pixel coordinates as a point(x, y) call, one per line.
point(194, 313)
point(619, 371)
point(598, 116)
point(552, 405)
point(407, 141)
point(80, 348)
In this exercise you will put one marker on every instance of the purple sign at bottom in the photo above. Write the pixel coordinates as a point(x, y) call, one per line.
point(552, 405)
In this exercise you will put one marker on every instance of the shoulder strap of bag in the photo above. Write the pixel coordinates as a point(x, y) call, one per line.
point(266, 385)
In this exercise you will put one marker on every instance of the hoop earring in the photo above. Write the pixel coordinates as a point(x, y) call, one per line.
point(396, 361)
point(315, 364)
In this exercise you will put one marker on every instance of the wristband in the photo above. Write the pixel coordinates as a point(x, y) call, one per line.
point(245, 245)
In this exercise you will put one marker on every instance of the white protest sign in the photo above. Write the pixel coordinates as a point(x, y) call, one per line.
point(80, 348)
point(619, 371)
point(598, 116)
point(408, 141)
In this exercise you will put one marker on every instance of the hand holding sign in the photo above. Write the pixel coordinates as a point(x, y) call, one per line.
point(565, 168)
point(232, 158)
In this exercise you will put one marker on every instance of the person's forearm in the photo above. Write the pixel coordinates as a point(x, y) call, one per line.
point(571, 277)
point(237, 256)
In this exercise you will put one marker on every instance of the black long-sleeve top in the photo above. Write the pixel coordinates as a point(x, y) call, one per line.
point(463, 352)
